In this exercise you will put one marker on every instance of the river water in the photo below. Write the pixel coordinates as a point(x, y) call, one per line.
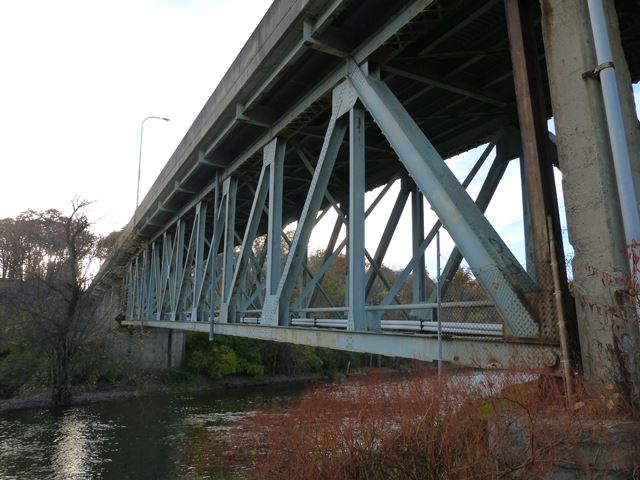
point(142, 438)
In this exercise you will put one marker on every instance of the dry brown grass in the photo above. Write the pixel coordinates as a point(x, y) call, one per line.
point(464, 426)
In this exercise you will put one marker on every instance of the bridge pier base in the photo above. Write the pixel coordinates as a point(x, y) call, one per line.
point(176, 349)
point(149, 349)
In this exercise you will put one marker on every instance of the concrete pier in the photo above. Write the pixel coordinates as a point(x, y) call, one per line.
point(149, 348)
point(608, 333)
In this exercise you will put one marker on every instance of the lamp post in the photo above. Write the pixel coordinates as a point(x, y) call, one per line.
point(140, 153)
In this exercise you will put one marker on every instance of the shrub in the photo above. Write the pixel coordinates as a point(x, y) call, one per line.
point(467, 425)
point(223, 362)
point(18, 367)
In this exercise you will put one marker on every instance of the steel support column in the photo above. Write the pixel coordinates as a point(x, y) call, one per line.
point(418, 288)
point(199, 260)
point(274, 157)
point(538, 168)
point(188, 270)
point(178, 262)
point(229, 189)
point(229, 308)
point(356, 319)
point(216, 235)
point(165, 270)
point(343, 99)
point(529, 249)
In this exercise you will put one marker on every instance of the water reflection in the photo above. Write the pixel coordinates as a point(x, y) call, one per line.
point(18, 438)
point(78, 441)
point(127, 439)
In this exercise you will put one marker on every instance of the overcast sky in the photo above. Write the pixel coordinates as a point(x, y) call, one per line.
point(78, 77)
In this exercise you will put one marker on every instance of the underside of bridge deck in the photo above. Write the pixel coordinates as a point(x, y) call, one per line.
point(327, 101)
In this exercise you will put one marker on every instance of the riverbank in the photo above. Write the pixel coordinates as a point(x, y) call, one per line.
point(155, 384)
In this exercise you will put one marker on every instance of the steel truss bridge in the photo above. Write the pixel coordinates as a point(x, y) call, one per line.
point(329, 100)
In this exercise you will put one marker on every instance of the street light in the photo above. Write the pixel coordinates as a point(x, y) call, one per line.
point(140, 154)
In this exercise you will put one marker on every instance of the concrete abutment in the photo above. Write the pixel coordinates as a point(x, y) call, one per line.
point(151, 348)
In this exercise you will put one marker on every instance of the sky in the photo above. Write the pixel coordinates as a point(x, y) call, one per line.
point(79, 76)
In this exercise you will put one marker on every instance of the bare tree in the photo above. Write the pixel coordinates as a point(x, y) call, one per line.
point(50, 296)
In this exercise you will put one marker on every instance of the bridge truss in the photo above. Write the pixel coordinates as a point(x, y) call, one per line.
point(207, 248)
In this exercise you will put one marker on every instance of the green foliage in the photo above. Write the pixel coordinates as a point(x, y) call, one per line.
point(21, 363)
point(254, 358)
point(247, 352)
point(94, 364)
point(310, 359)
point(224, 361)
point(179, 379)
point(18, 367)
point(224, 356)
point(337, 361)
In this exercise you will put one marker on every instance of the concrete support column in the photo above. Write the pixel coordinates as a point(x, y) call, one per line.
point(608, 331)
point(176, 349)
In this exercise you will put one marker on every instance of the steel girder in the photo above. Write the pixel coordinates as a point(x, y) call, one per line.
point(473, 352)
